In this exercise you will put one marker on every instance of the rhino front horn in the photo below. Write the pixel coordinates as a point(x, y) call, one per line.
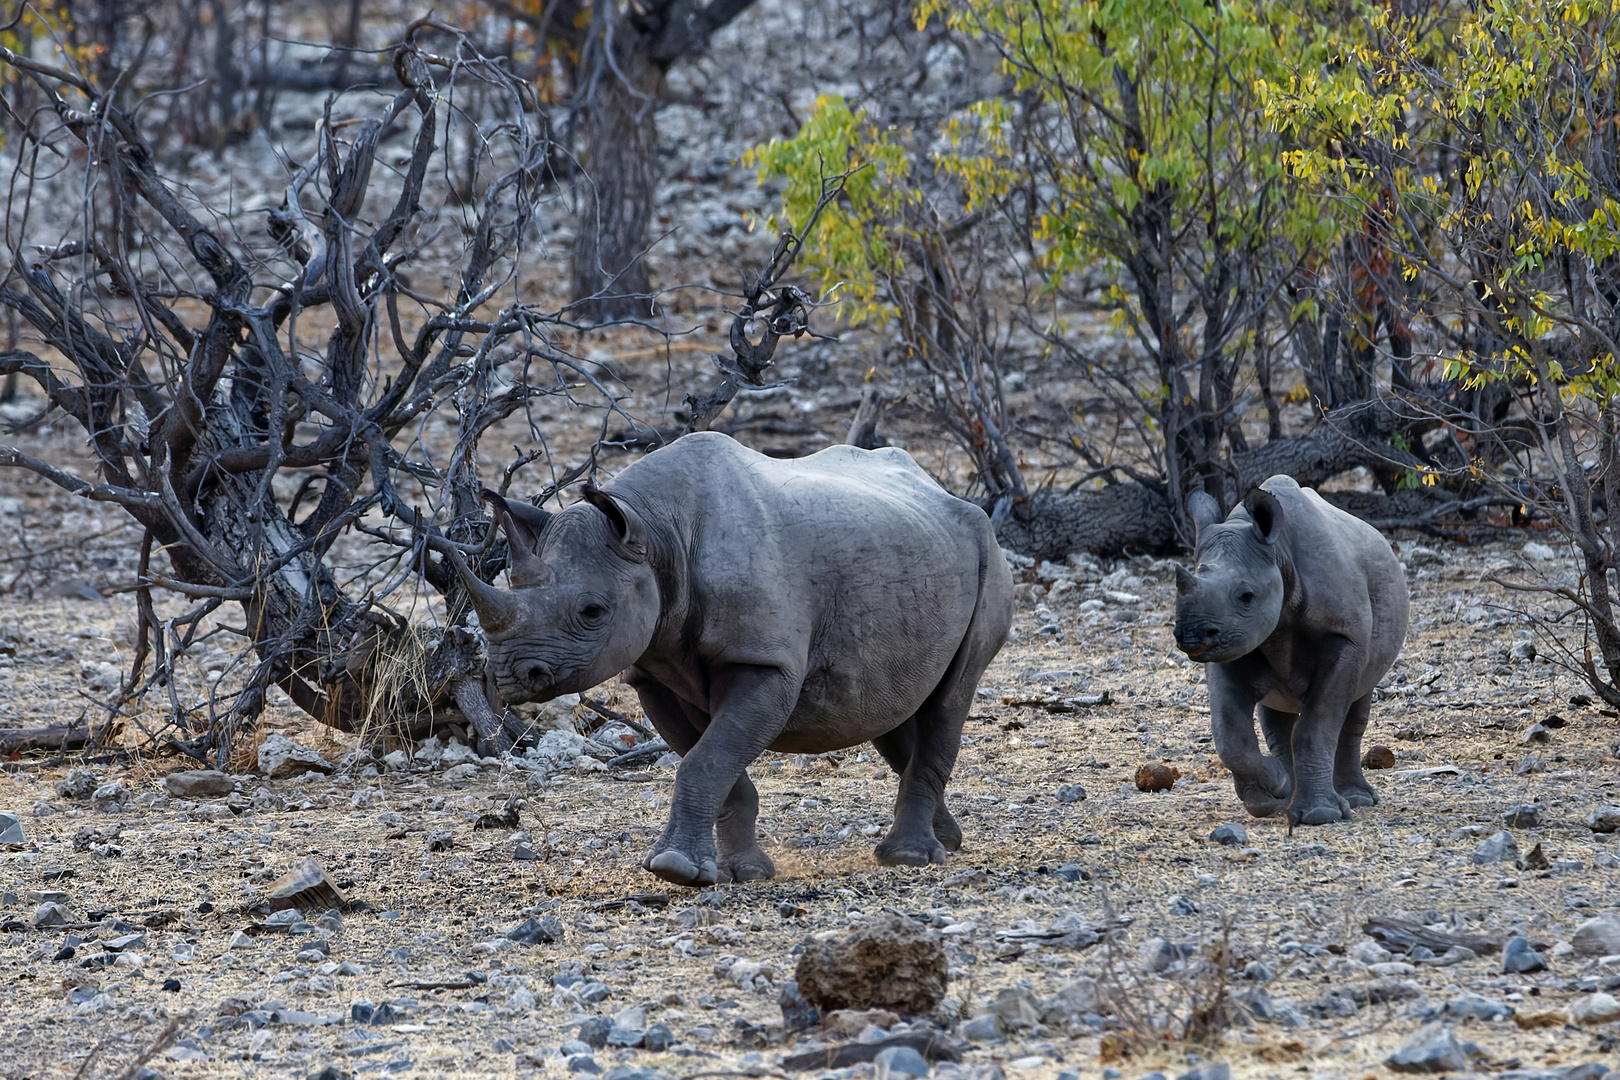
point(496, 610)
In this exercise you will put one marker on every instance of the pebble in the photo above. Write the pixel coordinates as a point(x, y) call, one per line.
point(1071, 793)
point(1478, 1007)
point(986, 1028)
point(902, 1061)
point(1605, 819)
point(1210, 1070)
point(281, 757)
point(1519, 956)
point(11, 830)
point(1536, 733)
point(1433, 1048)
point(51, 914)
point(593, 1032)
point(1230, 835)
point(1523, 816)
point(1595, 1009)
point(797, 1013)
point(199, 784)
point(1497, 848)
point(1072, 872)
point(1598, 937)
point(537, 931)
point(1180, 905)
point(657, 1039)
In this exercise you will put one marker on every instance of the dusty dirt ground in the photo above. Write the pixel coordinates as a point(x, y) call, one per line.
point(436, 895)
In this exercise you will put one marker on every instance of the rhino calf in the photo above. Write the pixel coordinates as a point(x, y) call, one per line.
point(757, 604)
point(1299, 608)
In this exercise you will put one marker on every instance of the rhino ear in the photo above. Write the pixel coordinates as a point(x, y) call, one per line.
point(630, 536)
point(1265, 512)
point(1204, 511)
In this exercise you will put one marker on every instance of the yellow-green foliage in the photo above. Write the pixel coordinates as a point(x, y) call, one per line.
point(1520, 95)
point(856, 239)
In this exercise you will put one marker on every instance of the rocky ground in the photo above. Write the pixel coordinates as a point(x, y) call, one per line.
point(1080, 915)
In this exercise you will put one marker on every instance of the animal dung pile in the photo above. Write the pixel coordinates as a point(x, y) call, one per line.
point(1157, 776)
point(888, 962)
point(1378, 757)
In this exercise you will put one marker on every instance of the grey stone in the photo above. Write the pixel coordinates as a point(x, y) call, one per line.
point(797, 1013)
point(537, 931)
point(584, 1063)
point(1180, 905)
point(124, 942)
point(1258, 971)
point(78, 785)
point(281, 757)
point(594, 1031)
point(284, 917)
point(902, 1061)
point(1072, 872)
point(573, 1048)
point(1524, 652)
point(658, 1039)
point(1519, 956)
point(1432, 1049)
point(11, 830)
point(110, 797)
point(1210, 1070)
point(1605, 819)
point(51, 914)
point(595, 992)
point(199, 784)
point(1536, 733)
point(1530, 763)
point(1498, 848)
point(632, 1072)
point(619, 1036)
point(1478, 1007)
point(1071, 793)
point(986, 1028)
point(1230, 835)
point(1597, 937)
point(1071, 1003)
point(1523, 816)
point(1595, 1009)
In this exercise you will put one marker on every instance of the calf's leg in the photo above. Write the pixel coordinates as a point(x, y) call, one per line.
point(1316, 741)
point(1348, 779)
point(1263, 783)
point(682, 725)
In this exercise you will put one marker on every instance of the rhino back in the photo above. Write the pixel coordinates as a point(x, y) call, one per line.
point(1350, 580)
point(852, 568)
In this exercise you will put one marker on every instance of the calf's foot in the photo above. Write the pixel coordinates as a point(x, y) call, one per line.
point(684, 863)
point(1357, 795)
point(1267, 793)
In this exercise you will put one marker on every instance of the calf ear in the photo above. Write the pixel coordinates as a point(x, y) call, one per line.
point(630, 536)
point(1266, 513)
point(1204, 511)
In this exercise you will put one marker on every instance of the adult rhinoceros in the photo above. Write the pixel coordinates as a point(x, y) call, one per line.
point(758, 604)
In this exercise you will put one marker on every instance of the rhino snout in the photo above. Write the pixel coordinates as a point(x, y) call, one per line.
point(525, 680)
point(1197, 640)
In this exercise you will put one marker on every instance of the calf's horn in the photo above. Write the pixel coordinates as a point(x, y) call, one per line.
point(496, 610)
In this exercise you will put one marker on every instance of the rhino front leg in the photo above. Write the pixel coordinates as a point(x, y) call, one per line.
point(1316, 743)
point(1263, 783)
point(1278, 728)
point(751, 707)
point(1348, 779)
point(682, 725)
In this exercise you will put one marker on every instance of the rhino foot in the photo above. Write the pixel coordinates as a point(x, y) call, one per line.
point(1320, 811)
point(946, 830)
point(1259, 802)
point(675, 867)
point(1359, 795)
point(752, 865)
point(909, 851)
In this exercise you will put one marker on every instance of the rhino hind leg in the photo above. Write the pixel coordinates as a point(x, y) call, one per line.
point(897, 748)
point(1348, 779)
point(738, 836)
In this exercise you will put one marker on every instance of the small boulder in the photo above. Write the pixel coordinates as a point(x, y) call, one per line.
point(11, 830)
point(281, 757)
point(1605, 819)
point(110, 798)
point(797, 1013)
point(1598, 937)
point(1157, 776)
point(1497, 848)
point(1431, 1049)
point(1378, 757)
point(78, 785)
point(1070, 793)
point(888, 962)
point(199, 784)
point(1519, 956)
point(1478, 1007)
point(305, 886)
point(1535, 733)
point(1595, 1009)
point(537, 931)
point(1230, 835)
point(901, 1061)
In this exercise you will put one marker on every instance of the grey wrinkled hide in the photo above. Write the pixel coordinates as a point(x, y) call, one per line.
point(803, 606)
point(1298, 608)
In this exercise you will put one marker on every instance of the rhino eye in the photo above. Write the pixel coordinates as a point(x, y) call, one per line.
point(592, 611)
point(1246, 598)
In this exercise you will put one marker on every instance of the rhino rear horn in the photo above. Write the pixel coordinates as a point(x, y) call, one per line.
point(523, 525)
point(1265, 512)
point(630, 536)
point(1204, 511)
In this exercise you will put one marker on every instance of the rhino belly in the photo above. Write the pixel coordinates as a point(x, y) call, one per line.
point(1283, 701)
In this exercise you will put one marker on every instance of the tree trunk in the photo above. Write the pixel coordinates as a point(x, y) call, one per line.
point(1122, 519)
point(619, 155)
